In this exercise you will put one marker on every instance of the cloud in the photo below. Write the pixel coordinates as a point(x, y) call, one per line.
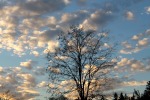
point(28, 80)
point(28, 64)
point(44, 6)
point(81, 2)
point(129, 15)
point(148, 10)
point(22, 85)
point(39, 71)
point(51, 46)
point(143, 42)
point(29, 26)
point(134, 83)
point(42, 84)
point(1, 70)
point(135, 37)
point(26, 93)
point(97, 19)
point(133, 65)
point(35, 53)
point(137, 43)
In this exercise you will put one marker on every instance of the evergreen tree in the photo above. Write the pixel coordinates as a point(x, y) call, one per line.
point(147, 90)
point(137, 94)
point(146, 95)
point(121, 96)
point(133, 97)
point(103, 98)
point(126, 97)
point(115, 96)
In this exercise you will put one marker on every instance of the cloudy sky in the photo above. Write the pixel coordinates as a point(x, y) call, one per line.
point(29, 27)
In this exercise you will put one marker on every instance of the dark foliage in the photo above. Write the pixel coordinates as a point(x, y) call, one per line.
point(136, 95)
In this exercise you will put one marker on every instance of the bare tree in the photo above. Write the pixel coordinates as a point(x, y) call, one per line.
point(79, 65)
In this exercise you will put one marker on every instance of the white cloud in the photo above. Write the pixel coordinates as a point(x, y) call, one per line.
point(137, 43)
point(135, 37)
point(40, 71)
point(42, 84)
point(97, 19)
point(28, 64)
point(148, 10)
point(29, 25)
point(22, 85)
point(51, 46)
point(143, 42)
point(126, 64)
point(134, 83)
point(1, 69)
point(35, 53)
point(129, 15)
point(28, 80)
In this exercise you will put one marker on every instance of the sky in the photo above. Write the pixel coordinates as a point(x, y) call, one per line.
point(29, 27)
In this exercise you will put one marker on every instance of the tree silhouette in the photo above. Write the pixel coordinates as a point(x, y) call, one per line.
point(103, 97)
point(133, 97)
point(146, 95)
point(79, 65)
point(126, 97)
point(115, 96)
point(137, 94)
point(121, 96)
point(58, 98)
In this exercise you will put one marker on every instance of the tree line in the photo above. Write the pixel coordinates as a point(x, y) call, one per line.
point(136, 94)
point(122, 96)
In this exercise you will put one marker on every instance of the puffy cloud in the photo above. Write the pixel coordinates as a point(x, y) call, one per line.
point(42, 84)
point(76, 17)
point(148, 10)
point(134, 83)
point(43, 6)
point(22, 85)
point(143, 42)
point(126, 45)
point(129, 15)
point(40, 71)
point(137, 43)
point(29, 25)
point(97, 19)
point(28, 64)
point(123, 62)
point(51, 46)
point(26, 93)
point(35, 53)
point(28, 80)
point(81, 2)
point(130, 64)
point(1, 70)
point(135, 37)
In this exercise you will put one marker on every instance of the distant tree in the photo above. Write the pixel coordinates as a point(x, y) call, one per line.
point(79, 65)
point(146, 95)
point(137, 94)
point(115, 96)
point(51, 98)
point(133, 97)
point(103, 97)
point(121, 96)
point(126, 97)
point(61, 97)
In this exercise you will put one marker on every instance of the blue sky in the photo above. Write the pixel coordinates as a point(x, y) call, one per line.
point(29, 27)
